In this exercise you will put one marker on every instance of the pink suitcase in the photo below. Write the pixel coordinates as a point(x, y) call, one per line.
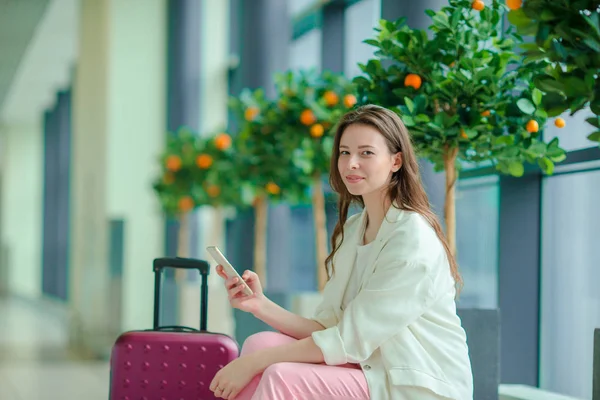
point(170, 363)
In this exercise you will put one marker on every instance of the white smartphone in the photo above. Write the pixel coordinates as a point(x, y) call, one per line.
point(229, 270)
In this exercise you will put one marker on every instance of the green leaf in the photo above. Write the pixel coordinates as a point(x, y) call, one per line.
point(548, 84)
point(538, 148)
point(592, 43)
point(546, 165)
point(559, 158)
point(547, 15)
point(594, 121)
point(516, 168)
point(408, 120)
point(594, 137)
point(371, 42)
point(441, 20)
point(537, 96)
point(526, 106)
point(518, 18)
point(504, 140)
point(595, 106)
point(410, 105)
point(456, 17)
point(555, 104)
point(594, 22)
point(574, 86)
point(541, 113)
point(422, 118)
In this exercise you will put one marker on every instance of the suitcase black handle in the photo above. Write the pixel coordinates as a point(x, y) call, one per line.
point(183, 263)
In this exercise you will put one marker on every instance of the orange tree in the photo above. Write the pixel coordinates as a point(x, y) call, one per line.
point(264, 155)
point(460, 93)
point(311, 104)
point(196, 171)
point(566, 40)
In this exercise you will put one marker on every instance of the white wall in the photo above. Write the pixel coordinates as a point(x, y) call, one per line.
point(22, 191)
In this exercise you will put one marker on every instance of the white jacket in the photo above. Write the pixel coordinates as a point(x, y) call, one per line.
point(402, 326)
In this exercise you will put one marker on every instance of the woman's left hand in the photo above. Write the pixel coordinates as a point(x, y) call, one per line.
point(234, 377)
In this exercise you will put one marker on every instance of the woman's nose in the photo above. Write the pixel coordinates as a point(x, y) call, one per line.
point(353, 163)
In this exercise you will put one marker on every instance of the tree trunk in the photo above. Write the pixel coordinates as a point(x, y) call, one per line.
point(183, 244)
point(450, 155)
point(320, 219)
point(183, 235)
point(261, 209)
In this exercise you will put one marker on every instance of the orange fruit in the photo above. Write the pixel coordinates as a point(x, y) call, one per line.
point(331, 98)
point(204, 161)
point(213, 190)
point(532, 126)
point(251, 113)
point(173, 163)
point(168, 178)
point(349, 100)
point(223, 141)
point(463, 134)
point(478, 5)
point(273, 188)
point(559, 122)
point(514, 4)
point(186, 203)
point(486, 113)
point(413, 80)
point(307, 117)
point(317, 130)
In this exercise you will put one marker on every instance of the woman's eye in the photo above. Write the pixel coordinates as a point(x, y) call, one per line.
point(344, 152)
point(368, 153)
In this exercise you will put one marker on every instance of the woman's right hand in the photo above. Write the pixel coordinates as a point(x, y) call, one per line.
point(234, 287)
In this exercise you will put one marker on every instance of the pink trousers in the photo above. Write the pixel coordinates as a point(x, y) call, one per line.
point(300, 381)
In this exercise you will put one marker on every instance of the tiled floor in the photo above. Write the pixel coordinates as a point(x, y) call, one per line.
point(34, 363)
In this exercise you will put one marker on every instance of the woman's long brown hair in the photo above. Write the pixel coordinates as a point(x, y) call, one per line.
point(405, 189)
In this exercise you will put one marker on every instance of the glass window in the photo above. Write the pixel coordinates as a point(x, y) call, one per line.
point(574, 135)
point(359, 21)
point(305, 51)
point(477, 211)
point(570, 277)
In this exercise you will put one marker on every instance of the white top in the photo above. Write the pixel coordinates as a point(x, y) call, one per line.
point(362, 258)
point(401, 326)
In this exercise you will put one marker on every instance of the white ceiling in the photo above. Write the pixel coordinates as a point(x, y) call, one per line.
point(18, 20)
point(46, 61)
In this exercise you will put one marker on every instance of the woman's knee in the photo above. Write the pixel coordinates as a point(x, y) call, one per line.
point(262, 340)
point(279, 371)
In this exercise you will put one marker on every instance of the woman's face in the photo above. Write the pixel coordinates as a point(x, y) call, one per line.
point(365, 162)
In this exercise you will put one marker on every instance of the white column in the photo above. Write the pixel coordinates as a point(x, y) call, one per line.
point(119, 120)
point(136, 137)
point(213, 117)
point(21, 191)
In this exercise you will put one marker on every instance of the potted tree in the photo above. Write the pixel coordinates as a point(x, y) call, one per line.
point(310, 105)
point(264, 162)
point(192, 175)
point(566, 41)
point(461, 93)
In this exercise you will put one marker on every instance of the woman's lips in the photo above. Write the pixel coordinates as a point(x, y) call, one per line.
point(354, 178)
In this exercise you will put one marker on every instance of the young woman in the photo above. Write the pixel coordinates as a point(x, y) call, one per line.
point(387, 326)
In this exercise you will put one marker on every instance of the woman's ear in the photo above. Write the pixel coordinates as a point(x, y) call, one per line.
point(397, 162)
